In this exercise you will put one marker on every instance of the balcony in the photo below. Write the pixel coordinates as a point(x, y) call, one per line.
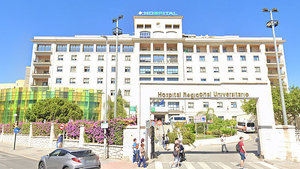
point(42, 63)
point(158, 47)
point(39, 82)
point(214, 49)
point(172, 47)
point(201, 49)
point(41, 73)
point(188, 48)
point(227, 48)
point(241, 48)
point(254, 48)
point(145, 47)
point(274, 64)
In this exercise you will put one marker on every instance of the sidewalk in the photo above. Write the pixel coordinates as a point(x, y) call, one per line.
point(36, 154)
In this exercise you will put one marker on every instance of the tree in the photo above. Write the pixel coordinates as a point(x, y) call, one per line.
point(121, 104)
point(53, 109)
point(249, 106)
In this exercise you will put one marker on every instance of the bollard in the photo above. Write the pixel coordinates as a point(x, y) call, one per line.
point(81, 136)
point(51, 135)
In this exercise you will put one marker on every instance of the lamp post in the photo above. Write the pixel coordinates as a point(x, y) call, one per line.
point(116, 31)
point(272, 24)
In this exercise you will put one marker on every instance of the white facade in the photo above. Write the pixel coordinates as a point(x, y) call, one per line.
point(158, 53)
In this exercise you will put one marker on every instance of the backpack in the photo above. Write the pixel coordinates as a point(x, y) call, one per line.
point(238, 147)
point(175, 153)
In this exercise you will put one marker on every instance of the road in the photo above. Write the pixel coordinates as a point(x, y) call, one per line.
point(211, 157)
point(10, 161)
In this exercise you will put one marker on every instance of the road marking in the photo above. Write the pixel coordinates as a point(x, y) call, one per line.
point(158, 165)
point(203, 165)
point(267, 165)
point(222, 165)
point(189, 165)
point(235, 164)
point(253, 165)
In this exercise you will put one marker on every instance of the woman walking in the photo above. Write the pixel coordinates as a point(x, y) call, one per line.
point(142, 156)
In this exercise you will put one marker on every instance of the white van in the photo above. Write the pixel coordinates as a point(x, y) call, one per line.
point(177, 119)
point(246, 127)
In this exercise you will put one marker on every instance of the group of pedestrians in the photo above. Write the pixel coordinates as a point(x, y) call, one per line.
point(139, 153)
point(178, 153)
point(165, 142)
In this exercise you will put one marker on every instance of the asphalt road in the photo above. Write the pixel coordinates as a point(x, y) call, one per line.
point(10, 161)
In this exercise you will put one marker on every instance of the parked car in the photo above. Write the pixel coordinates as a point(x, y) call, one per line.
point(70, 158)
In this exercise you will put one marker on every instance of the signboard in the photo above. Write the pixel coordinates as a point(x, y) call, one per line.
point(132, 108)
point(62, 126)
point(152, 109)
point(157, 13)
point(16, 130)
point(104, 125)
point(199, 119)
point(159, 123)
point(153, 123)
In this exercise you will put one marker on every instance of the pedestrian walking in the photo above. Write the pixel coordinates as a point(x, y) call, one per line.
point(223, 142)
point(164, 141)
point(167, 142)
point(242, 151)
point(134, 149)
point(142, 156)
point(59, 141)
point(176, 162)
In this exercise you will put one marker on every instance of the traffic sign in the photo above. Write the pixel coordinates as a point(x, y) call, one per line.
point(104, 125)
point(132, 108)
point(152, 109)
point(159, 123)
point(16, 130)
point(62, 126)
point(199, 119)
point(153, 123)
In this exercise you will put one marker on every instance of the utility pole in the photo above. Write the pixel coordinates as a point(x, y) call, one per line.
point(272, 24)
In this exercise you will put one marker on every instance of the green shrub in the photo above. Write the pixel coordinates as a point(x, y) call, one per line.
point(190, 127)
point(172, 136)
point(216, 132)
point(188, 137)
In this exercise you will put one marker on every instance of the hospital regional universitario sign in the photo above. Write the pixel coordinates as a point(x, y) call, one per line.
point(203, 95)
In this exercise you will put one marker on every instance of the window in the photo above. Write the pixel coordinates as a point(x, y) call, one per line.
point(127, 48)
point(172, 69)
point(112, 48)
point(215, 58)
point(257, 69)
point(113, 69)
point(173, 105)
point(86, 80)
point(216, 79)
point(100, 69)
point(140, 26)
point(202, 69)
point(256, 58)
point(175, 26)
point(233, 105)
point(145, 79)
point(190, 105)
point(112, 92)
point(243, 58)
point(87, 57)
point(99, 80)
point(231, 78)
point(147, 26)
point(101, 48)
point(172, 59)
point(72, 80)
point(73, 57)
point(86, 69)
point(127, 69)
point(127, 80)
point(158, 69)
point(219, 104)
point(230, 69)
point(229, 58)
point(159, 104)
point(112, 81)
point(202, 58)
point(44, 48)
point(215, 49)
point(59, 69)
point(127, 58)
point(61, 48)
point(168, 26)
point(216, 69)
point(74, 48)
point(113, 57)
point(126, 92)
point(203, 79)
point(73, 69)
point(241, 49)
point(158, 58)
point(158, 79)
point(189, 79)
point(100, 57)
point(189, 69)
point(145, 58)
point(88, 48)
point(188, 58)
point(145, 69)
point(60, 57)
point(244, 69)
point(144, 34)
point(172, 79)
point(58, 80)
point(205, 104)
point(244, 78)
point(258, 78)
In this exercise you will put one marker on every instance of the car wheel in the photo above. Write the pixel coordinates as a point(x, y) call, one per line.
point(42, 165)
point(66, 167)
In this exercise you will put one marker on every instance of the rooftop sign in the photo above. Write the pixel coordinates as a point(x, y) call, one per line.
point(157, 13)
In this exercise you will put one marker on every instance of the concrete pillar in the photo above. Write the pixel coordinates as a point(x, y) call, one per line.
point(234, 48)
point(221, 48)
point(30, 135)
point(52, 136)
point(207, 49)
point(81, 136)
point(248, 48)
point(194, 48)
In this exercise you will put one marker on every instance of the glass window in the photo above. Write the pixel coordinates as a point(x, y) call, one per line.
point(233, 105)
point(230, 69)
point(113, 57)
point(100, 57)
point(58, 80)
point(73, 57)
point(215, 58)
point(86, 80)
point(219, 104)
point(127, 58)
point(100, 69)
point(113, 69)
point(202, 69)
point(99, 80)
point(257, 69)
point(60, 57)
point(61, 48)
point(59, 69)
point(145, 79)
point(190, 105)
point(189, 79)
point(189, 69)
point(88, 48)
point(244, 69)
point(216, 79)
point(112, 80)
point(127, 69)
point(158, 69)
point(202, 58)
point(158, 58)
point(140, 26)
point(245, 78)
point(101, 48)
point(172, 59)
point(215, 49)
point(44, 48)
point(145, 34)
point(86, 69)
point(112, 92)
point(159, 104)
point(72, 80)
point(229, 58)
point(231, 78)
point(175, 26)
point(243, 58)
point(256, 58)
point(73, 69)
point(172, 70)
point(145, 69)
point(127, 80)
point(188, 58)
point(173, 105)
point(112, 48)
point(216, 69)
point(205, 104)
point(145, 58)
point(168, 26)
point(172, 79)
point(127, 48)
point(159, 79)
point(203, 79)
point(74, 48)
point(258, 78)
point(126, 92)
point(87, 57)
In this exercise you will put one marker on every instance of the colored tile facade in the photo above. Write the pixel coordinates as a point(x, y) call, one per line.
point(18, 100)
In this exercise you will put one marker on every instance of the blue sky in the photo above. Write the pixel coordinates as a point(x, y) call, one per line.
point(21, 20)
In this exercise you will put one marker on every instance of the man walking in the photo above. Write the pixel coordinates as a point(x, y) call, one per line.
point(223, 143)
point(242, 151)
point(134, 148)
point(176, 162)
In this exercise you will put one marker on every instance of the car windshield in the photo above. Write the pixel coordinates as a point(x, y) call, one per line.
point(241, 123)
point(250, 124)
point(84, 153)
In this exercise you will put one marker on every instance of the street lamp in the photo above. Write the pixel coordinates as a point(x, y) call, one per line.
point(272, 24)
point(116, 31)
